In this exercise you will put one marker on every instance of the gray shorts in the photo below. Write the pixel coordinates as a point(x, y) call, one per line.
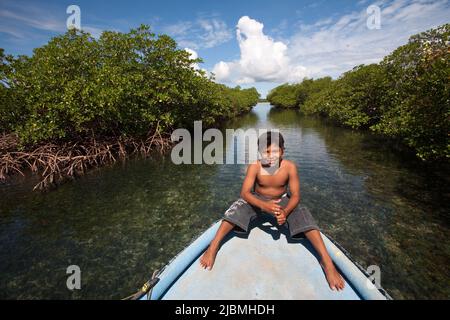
point(241, 213)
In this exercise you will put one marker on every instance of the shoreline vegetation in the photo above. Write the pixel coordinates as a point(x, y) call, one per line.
point(405, 98)
point(80, 102)
point(59, 162)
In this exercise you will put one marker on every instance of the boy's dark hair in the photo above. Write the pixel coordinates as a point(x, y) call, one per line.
point(270, 137)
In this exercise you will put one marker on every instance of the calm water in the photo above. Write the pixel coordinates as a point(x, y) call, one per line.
point(122, 222)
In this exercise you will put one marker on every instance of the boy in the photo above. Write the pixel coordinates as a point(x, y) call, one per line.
point(270, 177)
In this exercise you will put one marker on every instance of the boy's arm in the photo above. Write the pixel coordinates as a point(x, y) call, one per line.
point(294, 187)
point(247, 186)
point(270, 206)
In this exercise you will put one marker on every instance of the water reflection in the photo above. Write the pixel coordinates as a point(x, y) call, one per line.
point(121, 222)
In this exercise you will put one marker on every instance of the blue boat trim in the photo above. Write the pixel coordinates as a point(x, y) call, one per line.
point(356, 263)
point(164, 284)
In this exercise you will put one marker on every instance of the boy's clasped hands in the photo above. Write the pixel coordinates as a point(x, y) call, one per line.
point(274, 208)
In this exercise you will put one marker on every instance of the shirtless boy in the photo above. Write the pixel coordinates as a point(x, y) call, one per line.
point(265, 190)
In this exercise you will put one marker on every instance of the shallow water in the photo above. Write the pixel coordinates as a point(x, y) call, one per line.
point(120, 223)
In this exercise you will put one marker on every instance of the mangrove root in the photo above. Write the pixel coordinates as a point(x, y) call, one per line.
point(57, 162)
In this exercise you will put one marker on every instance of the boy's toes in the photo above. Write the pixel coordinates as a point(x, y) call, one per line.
point(336, 287)
point(207, 260)
point(204, 263)
point(341, 282)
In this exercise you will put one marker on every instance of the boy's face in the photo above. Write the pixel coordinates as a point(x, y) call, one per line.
point(271, 155)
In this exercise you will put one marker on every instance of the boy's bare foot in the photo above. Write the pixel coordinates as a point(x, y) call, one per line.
point(334, 278)
point(208, 258)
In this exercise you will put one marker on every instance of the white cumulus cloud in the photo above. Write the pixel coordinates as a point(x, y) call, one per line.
point(329, 46)
point(262, 58)
point(194, 55)
point(339, 44)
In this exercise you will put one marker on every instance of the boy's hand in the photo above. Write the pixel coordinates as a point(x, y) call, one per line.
point(272, 206)
point(281, 217)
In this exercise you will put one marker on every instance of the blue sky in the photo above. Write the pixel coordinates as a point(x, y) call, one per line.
point(250, 43)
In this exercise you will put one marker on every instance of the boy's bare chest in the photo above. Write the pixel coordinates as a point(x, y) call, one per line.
point(279, 179)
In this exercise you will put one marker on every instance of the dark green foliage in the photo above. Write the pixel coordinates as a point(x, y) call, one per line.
point(353, 100)
point(295, 95)
point(405, 97)
point(120, 84)
point(283, 96)
point(418, 94)
point(10, 111)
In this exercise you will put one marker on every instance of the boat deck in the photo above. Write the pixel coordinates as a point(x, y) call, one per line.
point(265, 264)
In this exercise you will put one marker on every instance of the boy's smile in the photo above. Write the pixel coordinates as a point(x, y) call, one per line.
point(271, 157)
